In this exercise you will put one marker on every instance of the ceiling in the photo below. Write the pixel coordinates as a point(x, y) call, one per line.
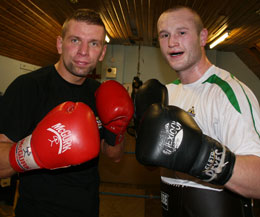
point(28, 28)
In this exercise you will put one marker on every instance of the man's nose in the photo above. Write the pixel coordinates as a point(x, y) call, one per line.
point(173, 41)
point(83, 49)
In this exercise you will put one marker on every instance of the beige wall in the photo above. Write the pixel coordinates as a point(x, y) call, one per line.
point(10, 69)
point(125, 59)
point(152, 65)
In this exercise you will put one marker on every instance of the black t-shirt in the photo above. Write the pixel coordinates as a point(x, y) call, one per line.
point(65, 192)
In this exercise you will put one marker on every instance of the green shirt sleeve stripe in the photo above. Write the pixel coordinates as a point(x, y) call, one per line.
point(214, 79)
point(251, 109)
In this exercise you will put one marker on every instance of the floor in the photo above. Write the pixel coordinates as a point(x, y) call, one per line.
point(129, 201)
point(123, 201)
point(117, 200)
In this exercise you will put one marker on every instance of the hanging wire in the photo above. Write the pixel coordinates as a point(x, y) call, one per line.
point(138, 63)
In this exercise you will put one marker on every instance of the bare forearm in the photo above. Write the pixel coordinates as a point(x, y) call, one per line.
point(5, 167)
point(246, 177)
point(113, 152)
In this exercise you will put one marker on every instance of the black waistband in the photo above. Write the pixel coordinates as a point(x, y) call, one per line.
point(178, 201)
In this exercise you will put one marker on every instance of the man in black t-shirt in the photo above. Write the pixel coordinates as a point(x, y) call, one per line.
point(71, 191)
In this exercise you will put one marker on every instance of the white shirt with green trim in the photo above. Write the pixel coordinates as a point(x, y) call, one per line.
point(224, 108)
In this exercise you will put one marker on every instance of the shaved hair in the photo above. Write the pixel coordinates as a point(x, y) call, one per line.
point(84, 15)
point(197, 19)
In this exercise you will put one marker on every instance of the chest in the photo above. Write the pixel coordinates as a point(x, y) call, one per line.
point(200, 103)
point(51, 95)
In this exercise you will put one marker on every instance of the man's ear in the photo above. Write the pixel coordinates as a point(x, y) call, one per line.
point(103, 53)
point(59, 44)
point(203, 37)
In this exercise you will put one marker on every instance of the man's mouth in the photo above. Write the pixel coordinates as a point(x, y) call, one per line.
point(173, 54)
point(81, 63)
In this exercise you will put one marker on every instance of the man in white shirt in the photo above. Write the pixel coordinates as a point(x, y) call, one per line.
point(225, 111)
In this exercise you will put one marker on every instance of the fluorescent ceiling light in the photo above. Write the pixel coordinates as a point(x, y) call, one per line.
point(107, 39)
point(219, 40)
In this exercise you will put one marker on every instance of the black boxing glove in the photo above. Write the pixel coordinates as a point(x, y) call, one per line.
point(152, 91)
point(169, 137)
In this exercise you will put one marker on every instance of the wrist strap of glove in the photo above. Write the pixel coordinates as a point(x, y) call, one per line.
point(219, 166)
point(21, 157)
point(111, 138)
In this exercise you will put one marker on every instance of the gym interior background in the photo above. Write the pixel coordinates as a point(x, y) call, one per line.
point(128, 188)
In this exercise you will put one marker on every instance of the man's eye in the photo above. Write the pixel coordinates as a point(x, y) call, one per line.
point(164, 35)
point(74, 40)
point(182, 33)
point(93, 44)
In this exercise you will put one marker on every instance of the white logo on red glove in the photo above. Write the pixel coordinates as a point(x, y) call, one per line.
point(22, 153)
point(62, 137)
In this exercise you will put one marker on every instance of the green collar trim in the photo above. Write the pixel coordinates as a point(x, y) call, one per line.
point(177, 81)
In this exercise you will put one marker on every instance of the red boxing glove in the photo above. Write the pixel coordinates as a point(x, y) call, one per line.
point(68, 135)
point(115, 109)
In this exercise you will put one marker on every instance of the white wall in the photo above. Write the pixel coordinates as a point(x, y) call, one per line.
point(10, 69)
point(230, 62)
point(125, 59)
point(152, 65)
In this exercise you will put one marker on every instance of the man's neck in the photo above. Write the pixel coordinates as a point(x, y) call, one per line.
point(67, 76)
point(195, 72)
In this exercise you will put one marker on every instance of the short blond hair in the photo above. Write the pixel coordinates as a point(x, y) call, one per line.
point(197, 19)
point(85, 15)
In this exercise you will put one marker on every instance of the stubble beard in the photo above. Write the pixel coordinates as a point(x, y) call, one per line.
point(187, 63)
point(73, 70)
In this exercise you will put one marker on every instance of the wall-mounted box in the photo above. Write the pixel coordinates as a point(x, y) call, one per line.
point(111, 72)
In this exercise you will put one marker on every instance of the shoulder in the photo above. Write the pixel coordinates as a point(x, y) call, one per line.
point(221, 78)
point(227, 88)
point(27, 84)
point(42, 73)
point(39, 74)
